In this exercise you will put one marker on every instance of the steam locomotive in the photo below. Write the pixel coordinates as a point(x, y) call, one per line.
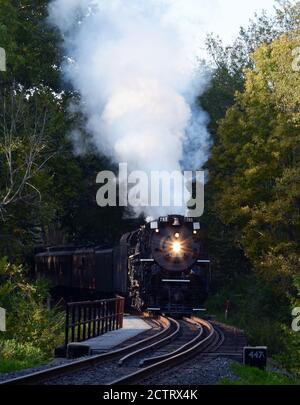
point(161, 267)
point(168, 271)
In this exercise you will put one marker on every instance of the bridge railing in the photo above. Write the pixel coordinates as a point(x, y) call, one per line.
point(88, 319)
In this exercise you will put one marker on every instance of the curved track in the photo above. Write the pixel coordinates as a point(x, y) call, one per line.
point(204, 338)
point(66, 369)
point(176, 342)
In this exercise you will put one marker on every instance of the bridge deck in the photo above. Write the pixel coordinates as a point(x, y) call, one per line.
point(132, 327)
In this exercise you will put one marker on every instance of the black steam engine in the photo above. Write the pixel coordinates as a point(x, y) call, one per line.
point(161, 267)
point(168, 271)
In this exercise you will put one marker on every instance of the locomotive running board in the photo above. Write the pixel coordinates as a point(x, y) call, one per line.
point(176, 281)
point(203, 261)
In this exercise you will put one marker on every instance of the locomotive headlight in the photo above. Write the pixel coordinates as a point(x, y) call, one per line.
point(177, 235)
point(176, 247)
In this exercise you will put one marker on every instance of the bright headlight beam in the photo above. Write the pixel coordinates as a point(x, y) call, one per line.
point(176, 247)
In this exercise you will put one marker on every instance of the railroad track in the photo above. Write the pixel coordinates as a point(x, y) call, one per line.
point(175, 343)
point(192, 337)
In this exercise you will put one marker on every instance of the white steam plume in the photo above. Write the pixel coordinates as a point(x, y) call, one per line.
point(135, 64)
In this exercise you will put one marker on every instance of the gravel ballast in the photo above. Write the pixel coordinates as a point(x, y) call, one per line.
point(196, 372)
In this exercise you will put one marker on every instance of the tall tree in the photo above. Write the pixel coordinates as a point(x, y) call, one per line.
point(255, 164)
point(32, 45)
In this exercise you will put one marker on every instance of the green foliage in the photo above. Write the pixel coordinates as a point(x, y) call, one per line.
point(249, 297)
point(31, 143)
point(58, 205)
point(32, 46)
point(17, 356)
point(256, 156)
point(32, 328)
point(254, 376)
point(290, 355)
point(253, 194)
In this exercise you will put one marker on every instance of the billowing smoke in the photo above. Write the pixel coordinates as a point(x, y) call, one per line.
point(135, 64)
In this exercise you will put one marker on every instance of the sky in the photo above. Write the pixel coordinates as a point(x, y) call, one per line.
point(225, 17)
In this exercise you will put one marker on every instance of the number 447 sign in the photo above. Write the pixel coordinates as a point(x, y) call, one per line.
point(256, 356)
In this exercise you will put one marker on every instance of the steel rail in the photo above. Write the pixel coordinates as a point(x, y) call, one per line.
point(155, 345)
point(181, 349)
point(65, 369)
point(218, 343)
point(211, 339)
